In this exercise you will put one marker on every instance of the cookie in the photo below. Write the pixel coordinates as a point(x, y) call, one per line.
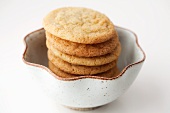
point(86, 61)
point(82, 50)
point(79, 25)
point(78, 69)
point(110, 73)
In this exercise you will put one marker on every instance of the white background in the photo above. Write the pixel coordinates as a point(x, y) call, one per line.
point(149, 19)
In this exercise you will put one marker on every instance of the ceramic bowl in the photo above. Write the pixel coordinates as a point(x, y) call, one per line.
point(84, 91)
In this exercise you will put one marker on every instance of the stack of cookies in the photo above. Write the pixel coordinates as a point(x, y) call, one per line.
point(81, 42)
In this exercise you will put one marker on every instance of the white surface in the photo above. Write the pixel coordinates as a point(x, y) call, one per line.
point(149, 19)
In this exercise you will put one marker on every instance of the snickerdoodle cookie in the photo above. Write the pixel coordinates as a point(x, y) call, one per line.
point(87, 61)
point(83, 50)
point(78, 69)
point(110, 73)
point(81, 42)
point(81, 25)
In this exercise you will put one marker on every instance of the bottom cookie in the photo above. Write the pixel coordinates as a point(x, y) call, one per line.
point(110, 73)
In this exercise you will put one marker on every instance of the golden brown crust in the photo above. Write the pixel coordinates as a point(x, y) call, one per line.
point(82, 50)
point(110, 73)
point(86, 61)
point(78, 69)
point(81, 42)
point(81, 25)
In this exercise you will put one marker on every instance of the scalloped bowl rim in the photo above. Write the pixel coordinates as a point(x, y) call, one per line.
point(84, 77)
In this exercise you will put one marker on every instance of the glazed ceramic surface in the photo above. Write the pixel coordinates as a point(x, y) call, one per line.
point(86, 91)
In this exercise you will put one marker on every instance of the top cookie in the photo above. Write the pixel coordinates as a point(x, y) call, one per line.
point(79, 25)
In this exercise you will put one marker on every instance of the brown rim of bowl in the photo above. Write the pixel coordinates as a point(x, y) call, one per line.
point(83, 77)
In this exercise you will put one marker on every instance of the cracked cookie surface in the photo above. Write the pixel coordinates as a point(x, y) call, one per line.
point(81, 25)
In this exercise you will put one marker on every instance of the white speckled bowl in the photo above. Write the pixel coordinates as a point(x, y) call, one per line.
point(84, 91)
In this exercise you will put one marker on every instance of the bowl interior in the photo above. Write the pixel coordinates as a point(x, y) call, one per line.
point(36, 51)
